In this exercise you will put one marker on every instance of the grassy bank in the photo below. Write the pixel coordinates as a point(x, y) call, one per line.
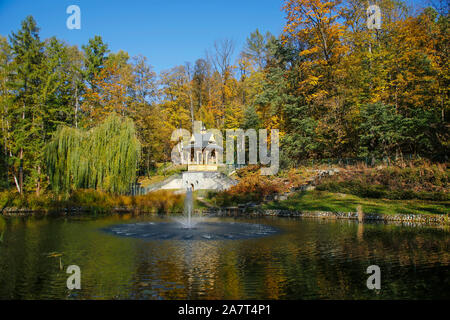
point(417, 187)
point(338, 202)
point(161, 172)
point(423, 181)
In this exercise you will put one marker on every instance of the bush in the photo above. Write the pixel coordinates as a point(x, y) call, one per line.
point(6, 198)
point(161, 201)
point(252, 188)
point(249, 170)
point(94, 201)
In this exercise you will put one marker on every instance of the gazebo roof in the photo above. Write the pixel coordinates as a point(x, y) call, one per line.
point(201, 141)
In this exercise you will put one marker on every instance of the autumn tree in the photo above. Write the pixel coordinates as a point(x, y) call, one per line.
point(109, 91)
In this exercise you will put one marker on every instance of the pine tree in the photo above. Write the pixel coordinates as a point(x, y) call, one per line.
point(26, 114)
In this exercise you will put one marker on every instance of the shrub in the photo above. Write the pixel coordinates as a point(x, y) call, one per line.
point(423, 181)
point(95, 201)
point(252, 188)
point(161, 201)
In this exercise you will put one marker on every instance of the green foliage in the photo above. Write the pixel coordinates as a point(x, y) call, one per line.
point(37, 89)
point(251, 119)
point(95, 56)
point(280, 97)
point(30, 201)
point(103, 158)
point(384, 131)
point(257, 47)
point(26, 113)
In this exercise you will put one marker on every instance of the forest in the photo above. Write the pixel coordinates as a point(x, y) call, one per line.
point(333, 88)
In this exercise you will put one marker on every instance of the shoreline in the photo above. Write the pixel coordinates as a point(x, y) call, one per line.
point(329, 215)
point(422, 219)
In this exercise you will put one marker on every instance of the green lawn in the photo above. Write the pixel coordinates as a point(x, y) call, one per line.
point(338, 202)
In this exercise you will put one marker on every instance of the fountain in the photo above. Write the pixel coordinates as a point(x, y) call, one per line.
point(188, 206)
point(190, 228)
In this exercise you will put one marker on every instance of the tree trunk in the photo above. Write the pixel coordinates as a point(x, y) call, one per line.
point(17, 183)
point(21, 172)
point(38, 181)
point(76, 106)
point(191, 101)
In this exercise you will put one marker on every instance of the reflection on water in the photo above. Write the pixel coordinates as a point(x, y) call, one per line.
point(205, 230)
point(308, 259)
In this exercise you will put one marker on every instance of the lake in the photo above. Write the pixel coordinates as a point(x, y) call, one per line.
point(304, 259)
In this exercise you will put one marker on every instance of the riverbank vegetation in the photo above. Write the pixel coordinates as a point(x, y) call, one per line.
point(423, 181)
point(402, 187)
point(91, 201)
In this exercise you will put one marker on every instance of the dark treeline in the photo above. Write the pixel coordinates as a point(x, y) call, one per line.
point(331, 86)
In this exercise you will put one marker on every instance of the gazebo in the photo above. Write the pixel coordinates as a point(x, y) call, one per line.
point(202, 152)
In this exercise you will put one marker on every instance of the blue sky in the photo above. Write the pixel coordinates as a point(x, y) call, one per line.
point(168, 32)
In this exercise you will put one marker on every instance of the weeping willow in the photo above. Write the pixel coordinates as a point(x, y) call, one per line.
point(103, 158)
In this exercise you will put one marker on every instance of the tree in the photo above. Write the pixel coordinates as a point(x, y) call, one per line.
point(223, 51)
point(382, 130)
point(5, 99)
point(202, 72)
point(175, 98)
point(147, 115)
point(144, 85)
point(188, 73)
point(251, 119)
point(95, 54)
point(256, 48)
point(110, 91)
point(281, 105)
point(103, 158)
point(58, 87)
point(78, 87)
point(26, 113)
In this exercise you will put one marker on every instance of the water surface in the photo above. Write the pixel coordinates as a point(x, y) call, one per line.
point(305, 259)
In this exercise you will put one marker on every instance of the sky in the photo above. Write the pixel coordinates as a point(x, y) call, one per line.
point(167, 32)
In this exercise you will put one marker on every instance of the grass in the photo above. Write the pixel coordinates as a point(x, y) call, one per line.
point(161, 172)
point(201, 199)
point(338, 202)
point(147, 181)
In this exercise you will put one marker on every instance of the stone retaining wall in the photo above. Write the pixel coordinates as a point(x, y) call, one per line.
point(410, 218)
